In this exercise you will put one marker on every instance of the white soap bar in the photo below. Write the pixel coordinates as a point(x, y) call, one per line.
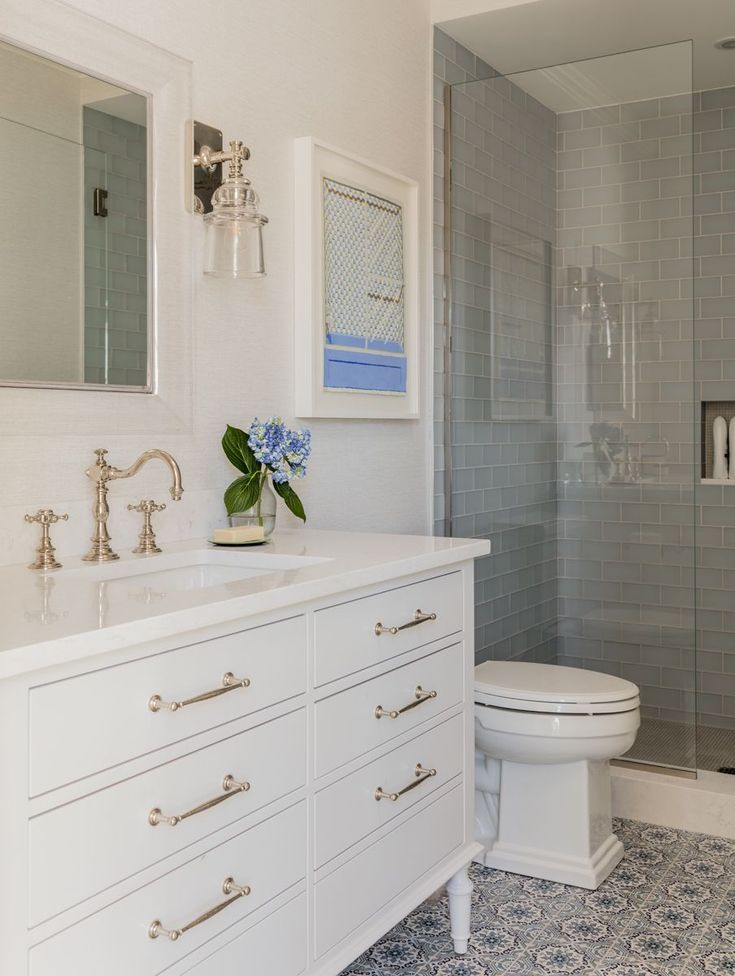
point(239, 534)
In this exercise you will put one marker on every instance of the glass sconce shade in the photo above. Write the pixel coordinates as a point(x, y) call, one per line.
point(234, 232)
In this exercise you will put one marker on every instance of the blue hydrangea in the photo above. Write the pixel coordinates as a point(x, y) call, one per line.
point(285, 452)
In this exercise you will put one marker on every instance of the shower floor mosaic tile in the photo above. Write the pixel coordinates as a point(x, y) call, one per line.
point(685, 746)
point(667, 910)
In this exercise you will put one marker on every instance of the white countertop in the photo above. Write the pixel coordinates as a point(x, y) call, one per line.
point(86, 609)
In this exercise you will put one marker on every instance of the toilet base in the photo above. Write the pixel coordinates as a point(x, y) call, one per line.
point(550, 820)
point(581, 872)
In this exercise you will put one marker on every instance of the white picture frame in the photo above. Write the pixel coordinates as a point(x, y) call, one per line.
point(315, 162)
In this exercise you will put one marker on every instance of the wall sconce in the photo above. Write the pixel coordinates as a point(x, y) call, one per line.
point(233, 246)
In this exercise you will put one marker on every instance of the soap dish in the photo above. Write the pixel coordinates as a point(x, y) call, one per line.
point(238, 545)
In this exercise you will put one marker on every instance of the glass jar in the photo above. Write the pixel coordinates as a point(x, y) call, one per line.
point(262, 513)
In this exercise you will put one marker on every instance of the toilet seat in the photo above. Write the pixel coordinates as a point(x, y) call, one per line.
point(552, 689)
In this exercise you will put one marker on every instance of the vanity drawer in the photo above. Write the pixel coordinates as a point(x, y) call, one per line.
point(116, 941)
point(347, 726)
point(270, 757)
point(357, 890)
point(97, 720)
point(274, 947)
point(346, 639)
point(349, 810)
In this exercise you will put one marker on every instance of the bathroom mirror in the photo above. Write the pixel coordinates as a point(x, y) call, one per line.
point(73, 256)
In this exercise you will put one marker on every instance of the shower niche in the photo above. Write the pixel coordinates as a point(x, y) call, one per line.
point(712, 446)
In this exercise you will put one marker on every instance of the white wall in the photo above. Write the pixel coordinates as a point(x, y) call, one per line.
point(356, 74)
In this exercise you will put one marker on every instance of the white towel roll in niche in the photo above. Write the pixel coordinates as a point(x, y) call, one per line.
point(719, 434)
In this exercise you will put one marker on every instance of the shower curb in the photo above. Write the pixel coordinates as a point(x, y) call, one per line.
point(704, 805)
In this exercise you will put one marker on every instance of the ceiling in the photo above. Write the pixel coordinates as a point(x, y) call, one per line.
point(612, 80)
point(542, 33)
point(128, 106)
point(451, 9)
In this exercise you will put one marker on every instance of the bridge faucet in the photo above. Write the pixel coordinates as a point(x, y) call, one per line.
point(101, 473)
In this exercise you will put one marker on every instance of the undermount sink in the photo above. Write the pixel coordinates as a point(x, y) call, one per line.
point(197, 576)
point(193, 569)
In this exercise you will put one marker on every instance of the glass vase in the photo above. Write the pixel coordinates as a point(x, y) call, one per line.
point(262, 513)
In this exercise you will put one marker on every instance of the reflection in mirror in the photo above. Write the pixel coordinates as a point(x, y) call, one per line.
point(73, 266)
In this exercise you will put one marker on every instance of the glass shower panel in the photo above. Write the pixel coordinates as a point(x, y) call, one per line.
point(115, 263)
point(502, 433)
point(521, 319)
point(573, 419)
point(96, 271)
point(626, 412)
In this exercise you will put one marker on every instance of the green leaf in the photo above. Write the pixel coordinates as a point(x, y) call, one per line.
point(243, 493)
point(236, 447)
point(292, 500)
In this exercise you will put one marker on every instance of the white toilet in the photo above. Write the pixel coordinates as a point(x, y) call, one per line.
point(544, 736)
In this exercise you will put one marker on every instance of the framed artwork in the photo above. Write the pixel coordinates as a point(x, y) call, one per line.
point(356, 287)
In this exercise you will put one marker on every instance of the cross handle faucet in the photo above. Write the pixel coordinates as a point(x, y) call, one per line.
point(101, 473)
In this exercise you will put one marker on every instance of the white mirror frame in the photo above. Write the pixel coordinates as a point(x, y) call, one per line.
point(72, 38)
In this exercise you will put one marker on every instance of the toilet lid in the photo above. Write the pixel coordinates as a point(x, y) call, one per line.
point(552, 688)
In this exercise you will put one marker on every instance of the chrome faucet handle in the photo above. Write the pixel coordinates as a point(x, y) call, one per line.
point(147, 538)
point(45, 559)
point(100, 471)
point(46, 516)
point(102, 462)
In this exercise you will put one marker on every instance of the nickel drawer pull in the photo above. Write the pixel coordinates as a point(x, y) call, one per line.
point(156, 928)
point(421, 776)
point(229, 683)
point(231, 788)
point(420, 696)
point(419, 617)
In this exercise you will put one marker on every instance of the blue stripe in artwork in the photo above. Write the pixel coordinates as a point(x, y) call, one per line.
point(382, 346)
point(362, 371)
point(342, 339)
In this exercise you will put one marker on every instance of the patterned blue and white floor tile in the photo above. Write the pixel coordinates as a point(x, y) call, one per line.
point(667, 910)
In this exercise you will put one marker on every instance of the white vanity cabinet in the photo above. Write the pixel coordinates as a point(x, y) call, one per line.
point(276, 822)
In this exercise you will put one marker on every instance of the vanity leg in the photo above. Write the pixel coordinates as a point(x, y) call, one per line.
point(459, 889)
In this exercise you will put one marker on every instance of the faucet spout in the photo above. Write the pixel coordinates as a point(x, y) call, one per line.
point(101, 473)
point(176, 490)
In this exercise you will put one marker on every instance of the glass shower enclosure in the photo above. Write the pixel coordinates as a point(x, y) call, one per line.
point(571, 407)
